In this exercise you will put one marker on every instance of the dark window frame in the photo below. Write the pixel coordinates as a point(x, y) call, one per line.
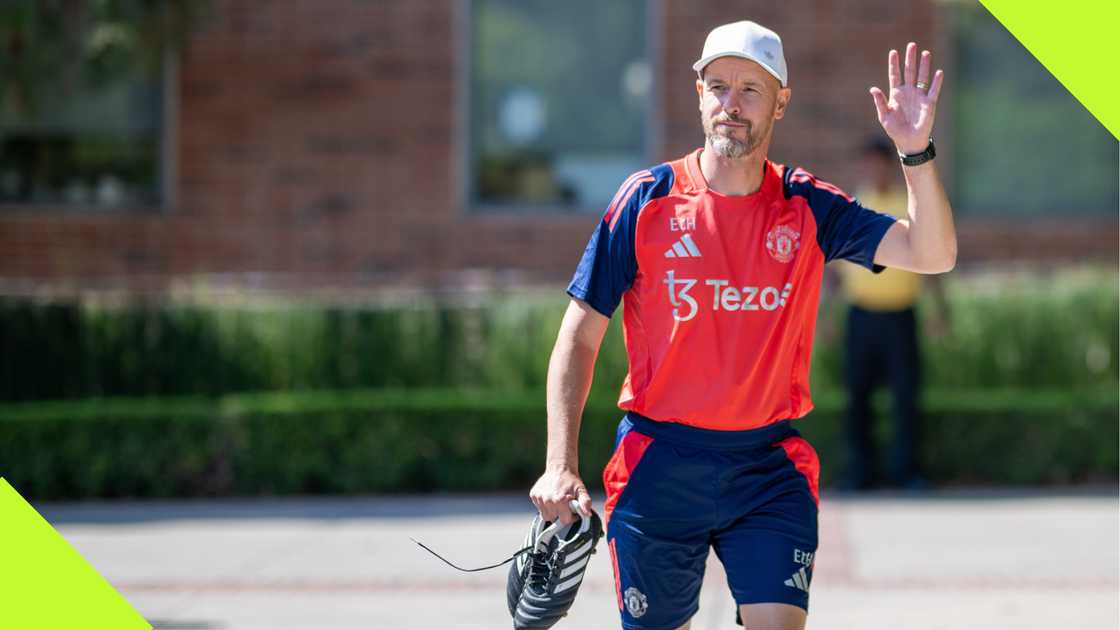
point(465, 169)
point(954, 135)
point(167, 168)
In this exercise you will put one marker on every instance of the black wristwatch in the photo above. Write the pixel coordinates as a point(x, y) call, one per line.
point(915, 159)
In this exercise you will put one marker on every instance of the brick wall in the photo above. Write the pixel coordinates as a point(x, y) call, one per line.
point(319, 144)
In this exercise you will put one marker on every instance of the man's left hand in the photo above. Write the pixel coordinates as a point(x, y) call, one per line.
point(907, 115)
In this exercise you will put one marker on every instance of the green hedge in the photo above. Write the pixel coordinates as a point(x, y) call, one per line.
point(1051, 331)
point(363, 441)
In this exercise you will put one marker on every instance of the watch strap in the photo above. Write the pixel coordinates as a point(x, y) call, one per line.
point(915, 159)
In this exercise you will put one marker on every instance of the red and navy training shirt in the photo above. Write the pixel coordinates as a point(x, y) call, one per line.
point(720, 291)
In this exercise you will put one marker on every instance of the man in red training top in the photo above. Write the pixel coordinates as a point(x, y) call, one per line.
point(718, 258)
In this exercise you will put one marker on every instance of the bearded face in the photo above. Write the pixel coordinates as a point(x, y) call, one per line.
point(729, 136)
point(739, 102)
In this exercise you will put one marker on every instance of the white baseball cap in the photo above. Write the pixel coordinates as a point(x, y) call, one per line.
point(748, 40)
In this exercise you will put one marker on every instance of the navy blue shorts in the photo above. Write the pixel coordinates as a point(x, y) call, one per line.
point(673, 491)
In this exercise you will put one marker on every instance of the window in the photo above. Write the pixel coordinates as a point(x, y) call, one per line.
point(1023, 144)
point(559, 102)
point(81, 137)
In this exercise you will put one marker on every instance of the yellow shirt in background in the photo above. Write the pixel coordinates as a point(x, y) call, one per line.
point(893, 289)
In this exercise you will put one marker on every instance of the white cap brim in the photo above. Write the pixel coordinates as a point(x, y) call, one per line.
point(703, 63)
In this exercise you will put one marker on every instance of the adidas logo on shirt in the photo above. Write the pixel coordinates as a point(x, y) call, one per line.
point(683, 248)
point(800, 580)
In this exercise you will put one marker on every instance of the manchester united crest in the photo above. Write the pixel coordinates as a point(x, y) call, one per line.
point(636, 602)
point(783, 242)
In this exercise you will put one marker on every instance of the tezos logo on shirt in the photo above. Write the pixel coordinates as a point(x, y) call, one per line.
point(724, 296)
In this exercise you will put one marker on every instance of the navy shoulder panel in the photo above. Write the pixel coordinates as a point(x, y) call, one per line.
point(845, 229)
point(609, 263)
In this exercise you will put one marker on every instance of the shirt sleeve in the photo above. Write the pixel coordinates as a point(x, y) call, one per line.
point(845, 229)
point(608, 265)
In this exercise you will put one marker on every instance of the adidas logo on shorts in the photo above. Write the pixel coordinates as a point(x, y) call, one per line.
point(800, 580)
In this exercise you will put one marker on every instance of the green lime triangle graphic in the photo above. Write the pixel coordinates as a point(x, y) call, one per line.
point(1075, 41)
point(45, 584)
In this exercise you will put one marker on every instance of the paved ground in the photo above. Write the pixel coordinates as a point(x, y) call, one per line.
point(924, 562)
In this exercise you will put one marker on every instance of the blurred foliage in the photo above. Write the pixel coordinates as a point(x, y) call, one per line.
point(47, 43)
point(362, 441)
point(1023, 145)
point(1027, 329)
point(449, 396)
point(1055, 330)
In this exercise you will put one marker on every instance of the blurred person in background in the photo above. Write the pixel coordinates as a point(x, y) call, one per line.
point(881, 338)
point(719, 256)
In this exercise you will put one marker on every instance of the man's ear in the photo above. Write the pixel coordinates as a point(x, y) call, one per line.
point(700, 93)
point(783, 102)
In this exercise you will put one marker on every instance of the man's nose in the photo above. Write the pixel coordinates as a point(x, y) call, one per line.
point(731, 104)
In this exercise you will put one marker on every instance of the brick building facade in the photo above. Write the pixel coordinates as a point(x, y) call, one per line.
point(322, 143)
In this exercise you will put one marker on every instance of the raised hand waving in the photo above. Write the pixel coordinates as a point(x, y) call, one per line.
point(907, 113)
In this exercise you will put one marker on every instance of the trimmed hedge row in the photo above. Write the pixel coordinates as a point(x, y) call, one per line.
point(1036, 331)
point(362, 441)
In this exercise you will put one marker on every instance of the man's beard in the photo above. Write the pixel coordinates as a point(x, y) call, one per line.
point(727, 145)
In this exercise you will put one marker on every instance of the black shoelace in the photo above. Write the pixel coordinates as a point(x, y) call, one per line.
point(540, 570)
point(536, 557)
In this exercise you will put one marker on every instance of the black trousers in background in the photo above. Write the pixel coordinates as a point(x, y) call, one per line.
point(882, 348)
